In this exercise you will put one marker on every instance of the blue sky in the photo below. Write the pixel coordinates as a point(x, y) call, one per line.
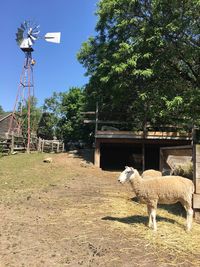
point(57, 68)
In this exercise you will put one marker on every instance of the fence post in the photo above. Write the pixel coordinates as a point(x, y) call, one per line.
point(58, 146)
point(42, 145)
point(12, 142)
point(52, 146)
point(39, 145)
point(63, 147)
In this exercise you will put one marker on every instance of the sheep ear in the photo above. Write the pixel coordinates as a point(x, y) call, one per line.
point(126, 167)
point(132, 169)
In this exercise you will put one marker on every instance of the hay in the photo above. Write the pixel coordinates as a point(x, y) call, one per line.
point(185, 170)
point(171, 236)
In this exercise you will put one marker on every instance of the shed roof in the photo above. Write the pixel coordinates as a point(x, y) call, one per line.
point(140, 135)
point(5, 116)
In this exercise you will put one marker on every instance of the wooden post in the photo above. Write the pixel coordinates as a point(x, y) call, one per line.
point(52, 146)
point(12, 142)
point(196, 180)
point(97, 154)
point(42, 145)
point(58, 147)
point(63, 147)
point(97, 117)
point(143, 156)
point(39, 145)
point(161, 160)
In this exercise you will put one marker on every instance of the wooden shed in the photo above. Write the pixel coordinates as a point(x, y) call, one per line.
point(5, 123)
point(116, 149)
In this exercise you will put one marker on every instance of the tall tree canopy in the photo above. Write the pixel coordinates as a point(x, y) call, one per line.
point(62, 116)
point(71, 120)
point(144, 62)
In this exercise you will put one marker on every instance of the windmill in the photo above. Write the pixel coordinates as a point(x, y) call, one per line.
point(27, 34)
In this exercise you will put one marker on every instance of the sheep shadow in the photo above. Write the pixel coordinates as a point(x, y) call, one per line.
point(175, 209)
point(137, 219)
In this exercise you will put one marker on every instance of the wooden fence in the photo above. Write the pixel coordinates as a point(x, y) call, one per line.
point(13, 143)
point(5, 146)
point(50, 146)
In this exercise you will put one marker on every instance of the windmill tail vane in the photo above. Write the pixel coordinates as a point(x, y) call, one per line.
point(53, 37)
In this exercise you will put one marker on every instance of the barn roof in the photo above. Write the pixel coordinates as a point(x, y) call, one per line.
point(5, 116)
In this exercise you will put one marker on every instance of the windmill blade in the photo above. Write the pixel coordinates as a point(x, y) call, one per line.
point(30, 31)
point(22, 26)
point(36, 27)
point(53, 37)
point(26, 35)
point(24, 43)
point(33, 37)
point(30, 43)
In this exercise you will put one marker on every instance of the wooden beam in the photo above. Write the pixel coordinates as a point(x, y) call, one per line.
point(106, 122)
point(196, 201)
point(89, 113)
point(97, 154)
point(197, 186)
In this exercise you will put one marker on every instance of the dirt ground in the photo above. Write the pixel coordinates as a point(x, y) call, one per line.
point(81, 217)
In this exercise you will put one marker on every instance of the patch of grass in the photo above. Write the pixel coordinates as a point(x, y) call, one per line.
point(23, 173)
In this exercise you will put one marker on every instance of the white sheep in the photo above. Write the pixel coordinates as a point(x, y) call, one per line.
point(163, 190)
point(151, 173)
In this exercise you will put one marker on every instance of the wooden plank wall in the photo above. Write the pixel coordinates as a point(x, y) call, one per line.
point(196, 196)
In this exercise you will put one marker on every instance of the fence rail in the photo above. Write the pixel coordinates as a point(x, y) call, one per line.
point(13, 143)
point(50, 146)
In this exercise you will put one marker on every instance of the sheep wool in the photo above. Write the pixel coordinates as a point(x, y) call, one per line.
point(163, 190)
point(151, 173)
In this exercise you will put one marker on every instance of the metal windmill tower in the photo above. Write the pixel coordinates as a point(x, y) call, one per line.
point(26, 35)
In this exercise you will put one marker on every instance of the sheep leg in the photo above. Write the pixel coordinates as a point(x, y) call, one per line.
point(189, 218)
point(189, 214)
point(152, 217)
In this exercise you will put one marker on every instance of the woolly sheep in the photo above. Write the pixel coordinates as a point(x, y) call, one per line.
point(151, 173)
point(163, 190)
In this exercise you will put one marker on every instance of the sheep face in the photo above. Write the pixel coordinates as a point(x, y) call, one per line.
point(125, 175)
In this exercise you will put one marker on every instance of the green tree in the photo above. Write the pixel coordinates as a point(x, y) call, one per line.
point(71, 122)
point(62, 116)
point(35, 114)
point(1, 110)
point(143, 62)
point(46, 126)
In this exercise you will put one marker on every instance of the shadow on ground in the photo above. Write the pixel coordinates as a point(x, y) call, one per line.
point(136, 219)
point(84, 154)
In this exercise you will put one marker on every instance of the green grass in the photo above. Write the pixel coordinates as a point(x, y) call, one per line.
point(23, 173)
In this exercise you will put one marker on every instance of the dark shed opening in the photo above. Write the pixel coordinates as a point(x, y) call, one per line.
point(117, 156)
point(152, 157)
